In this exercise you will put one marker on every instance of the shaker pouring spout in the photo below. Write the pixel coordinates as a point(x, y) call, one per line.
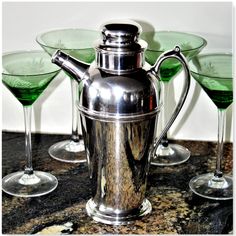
point(58, 57)
point(75, 68)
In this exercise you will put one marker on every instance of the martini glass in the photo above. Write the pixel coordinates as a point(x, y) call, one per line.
point(168, 154)
point(77, 43)
point(214, 73)
point(27, 74)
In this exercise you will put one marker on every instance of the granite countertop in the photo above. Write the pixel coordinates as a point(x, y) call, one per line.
point(176, 210)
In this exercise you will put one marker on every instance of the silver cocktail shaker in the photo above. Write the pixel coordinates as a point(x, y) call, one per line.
point(119, 102)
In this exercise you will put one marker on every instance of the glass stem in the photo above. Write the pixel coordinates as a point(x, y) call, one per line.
point(165, 93)
point(28, 147)
point(164, 141)
point(75, 113)
point(221, 130)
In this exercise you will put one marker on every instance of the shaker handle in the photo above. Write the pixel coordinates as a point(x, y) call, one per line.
point(175, 53)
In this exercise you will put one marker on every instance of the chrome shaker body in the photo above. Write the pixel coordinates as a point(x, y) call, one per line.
point(118, 126)
point(119, 102)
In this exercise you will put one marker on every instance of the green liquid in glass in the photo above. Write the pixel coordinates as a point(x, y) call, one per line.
point(214, 73)
point(27, 74)
point(168, 72)
point(27, 95)
point(222, 99)
point(221, 93)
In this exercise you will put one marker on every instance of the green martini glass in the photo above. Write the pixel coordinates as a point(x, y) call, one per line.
point(27, 74)
point(214, 73)
point(77, 43)
point(168, 154)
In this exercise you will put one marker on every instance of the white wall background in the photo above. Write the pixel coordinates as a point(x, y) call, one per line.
point(22, 21)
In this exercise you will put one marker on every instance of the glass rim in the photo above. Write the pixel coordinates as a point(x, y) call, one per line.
point(211, 76)
point(40, 42)
point(27, 51)
point(204, 42)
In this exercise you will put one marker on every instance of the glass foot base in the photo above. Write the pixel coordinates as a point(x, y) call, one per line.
point(210, 187)
point(113, 218)
point(174, 154)
point(22, 185)
point(68, 151)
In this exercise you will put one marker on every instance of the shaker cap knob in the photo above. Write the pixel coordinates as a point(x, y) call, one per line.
point(121, 33)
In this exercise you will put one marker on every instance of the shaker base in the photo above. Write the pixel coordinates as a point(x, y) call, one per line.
point(117, 219)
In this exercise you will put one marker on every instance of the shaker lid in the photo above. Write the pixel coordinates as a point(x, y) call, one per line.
point(121, 34)
point(120, 49)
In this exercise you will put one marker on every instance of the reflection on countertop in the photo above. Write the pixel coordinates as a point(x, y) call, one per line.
point(176, 210)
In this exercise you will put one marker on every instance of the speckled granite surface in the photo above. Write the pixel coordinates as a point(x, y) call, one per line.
point(175, 209)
